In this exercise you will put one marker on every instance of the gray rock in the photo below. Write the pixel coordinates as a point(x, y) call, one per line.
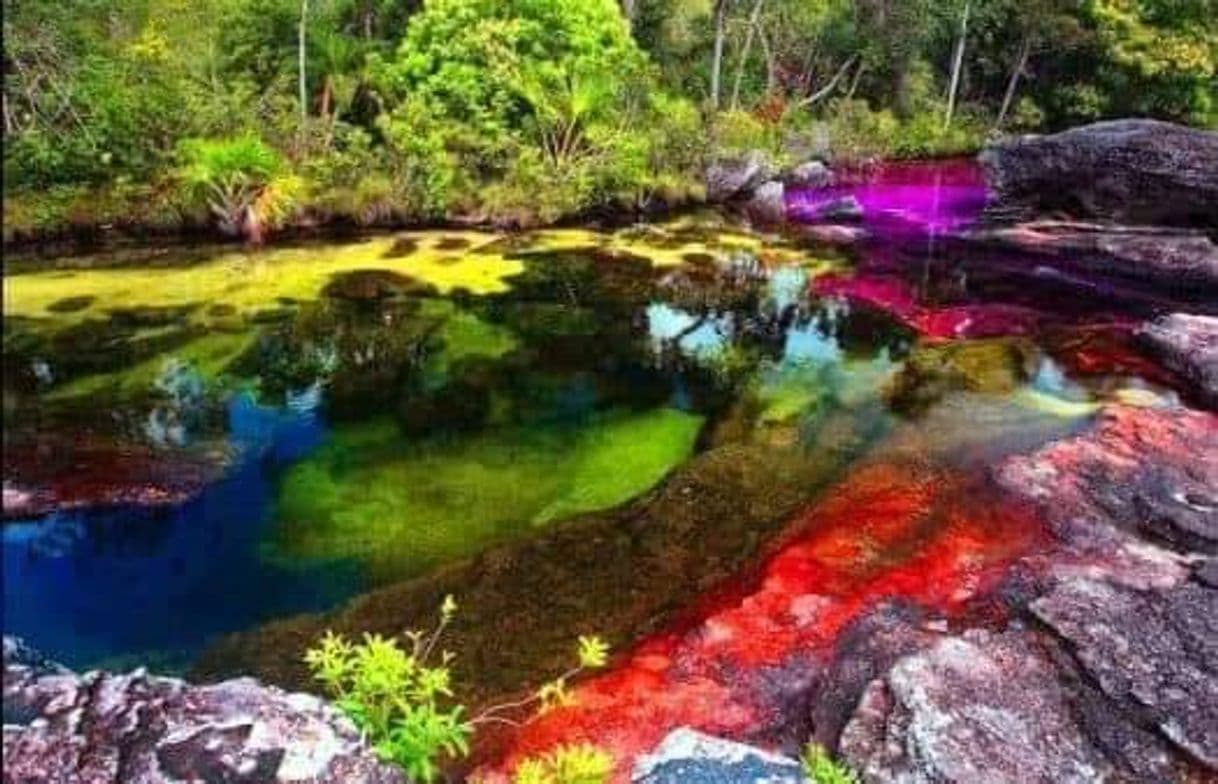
point(832, 234)
point(1181, 262)
point(1156, 651)
point(977, 708)
point(813, 174)
point(1188, 345)
point(847, 209)
point(1129, 171)
point(866, 649)
point(687, 756)
point(735, 178)
point(768, 204)
point(61, 727)
point(1207, 572)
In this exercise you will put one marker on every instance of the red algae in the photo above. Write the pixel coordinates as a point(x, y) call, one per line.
point(889, 531)
point(894, 295)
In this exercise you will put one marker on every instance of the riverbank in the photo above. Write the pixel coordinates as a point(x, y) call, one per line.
point(902, 479)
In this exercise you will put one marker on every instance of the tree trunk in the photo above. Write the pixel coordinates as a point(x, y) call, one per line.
point(1009, 97)
point(957, 64)
point(628, 9)
point(300, 52)
point(744, 55)
point(717, 56)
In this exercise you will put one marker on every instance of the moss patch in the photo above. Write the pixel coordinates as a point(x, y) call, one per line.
point(402, 507)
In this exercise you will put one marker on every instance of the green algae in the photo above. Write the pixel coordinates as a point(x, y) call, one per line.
point(400, 507)
point(208, 356)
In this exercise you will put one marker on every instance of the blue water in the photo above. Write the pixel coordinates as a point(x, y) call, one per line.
point(158, 584)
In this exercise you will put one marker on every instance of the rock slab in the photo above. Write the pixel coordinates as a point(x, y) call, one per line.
point(65, 728)
point(1188, 345)
point(1128, 171)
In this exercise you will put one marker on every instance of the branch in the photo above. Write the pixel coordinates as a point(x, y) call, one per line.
point(828, 88)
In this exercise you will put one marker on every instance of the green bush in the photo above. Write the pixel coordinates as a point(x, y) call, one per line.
point(404, 704)
point(242, 181)
point(820, 768)
point(568, 764)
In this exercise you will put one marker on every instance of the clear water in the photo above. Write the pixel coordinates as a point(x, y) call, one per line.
point(382, 410)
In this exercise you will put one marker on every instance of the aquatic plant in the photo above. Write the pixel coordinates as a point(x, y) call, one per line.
point(821, 768)
point(580, 763)
point(406, 708)
point(400, 507)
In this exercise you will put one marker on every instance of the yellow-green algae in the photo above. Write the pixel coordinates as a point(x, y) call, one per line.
point(400, 507)
point(238, 282)
point(209, 355)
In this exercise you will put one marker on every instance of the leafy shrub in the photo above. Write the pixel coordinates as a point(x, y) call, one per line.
point(820, 768)
point(405, 706)
point(567, 764)
point(241, 180)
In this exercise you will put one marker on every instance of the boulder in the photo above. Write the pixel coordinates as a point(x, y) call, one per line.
point(737, 177)
point(1153, 652)
point(687, 756)
point(846, 209)
point(1188, 345)
point(1181, 262)
point(61, 727)
point(811, 175)
point(1128, 171)
point(976, 707)
point(767, 205)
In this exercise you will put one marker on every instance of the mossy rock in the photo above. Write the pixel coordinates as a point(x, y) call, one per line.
point(984, 366)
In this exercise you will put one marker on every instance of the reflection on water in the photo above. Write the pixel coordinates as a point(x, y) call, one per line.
point(375, 410)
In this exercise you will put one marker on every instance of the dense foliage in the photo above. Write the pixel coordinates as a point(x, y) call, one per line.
point(520, 111)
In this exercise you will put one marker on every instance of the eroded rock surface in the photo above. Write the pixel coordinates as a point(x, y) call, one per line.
point(61, 727)
point(1155, 653)
point(1177, 261)
point(1188, 345)
point(1136, 471)
point(980, 707)
point(1132, 171)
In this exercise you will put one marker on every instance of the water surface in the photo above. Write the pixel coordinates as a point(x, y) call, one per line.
point(388, 408)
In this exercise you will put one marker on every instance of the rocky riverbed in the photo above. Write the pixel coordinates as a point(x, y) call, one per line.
point(943, 610)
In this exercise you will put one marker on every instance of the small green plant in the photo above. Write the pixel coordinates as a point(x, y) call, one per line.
point(820, 768)
point(567, 764)
point(242, 181)
point(404, 706)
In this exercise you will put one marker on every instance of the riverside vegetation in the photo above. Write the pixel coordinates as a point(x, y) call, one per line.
point(245, 115)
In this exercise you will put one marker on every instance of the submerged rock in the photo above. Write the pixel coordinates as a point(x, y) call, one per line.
point(687, 756)
point(141, 729)
point(1188, 345)
point(1133, 171)
point(1180, 262)
point(45, 476)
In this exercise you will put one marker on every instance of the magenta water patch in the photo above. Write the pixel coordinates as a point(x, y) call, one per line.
point(900, 198)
